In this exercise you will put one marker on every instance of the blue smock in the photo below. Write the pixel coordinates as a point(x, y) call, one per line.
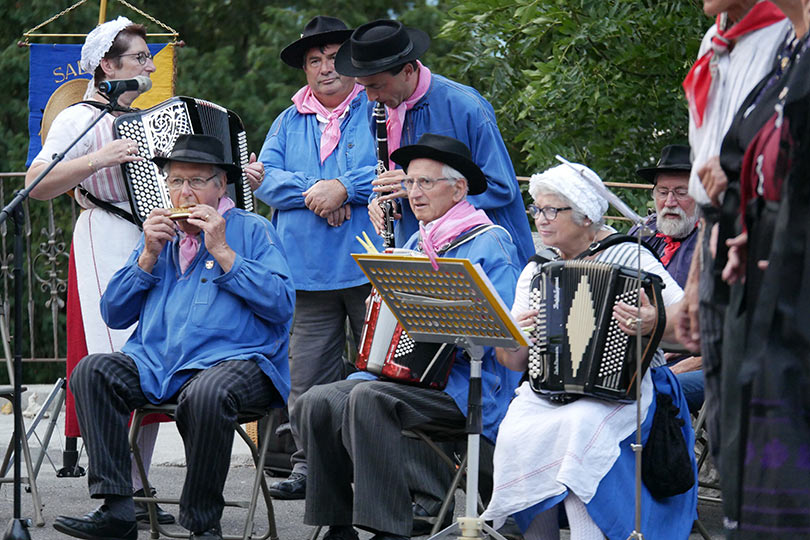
point(197, 319)
point(319, 254)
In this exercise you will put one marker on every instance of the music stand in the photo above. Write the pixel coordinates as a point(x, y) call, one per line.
point(454, 304)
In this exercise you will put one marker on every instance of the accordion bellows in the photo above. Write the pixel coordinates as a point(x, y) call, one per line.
point(156, 130)
point(578, 347)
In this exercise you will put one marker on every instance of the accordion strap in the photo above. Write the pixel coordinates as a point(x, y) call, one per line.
point(111, 208)
point(613, 240)
point(466, 237)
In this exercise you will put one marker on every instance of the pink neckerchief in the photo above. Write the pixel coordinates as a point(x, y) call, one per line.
point(698, 81)
point(306, 103)
point(190, 243)
point(462, 217)
point(396, 117)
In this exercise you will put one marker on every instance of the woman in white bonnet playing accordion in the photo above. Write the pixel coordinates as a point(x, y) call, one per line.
point(102, 241)
point(578, 453)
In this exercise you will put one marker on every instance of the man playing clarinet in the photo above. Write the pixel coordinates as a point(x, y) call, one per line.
point(384, 57)
point(319, 157)
point(352, 430)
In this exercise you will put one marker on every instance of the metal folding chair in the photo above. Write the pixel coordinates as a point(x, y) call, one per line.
point(259, 483)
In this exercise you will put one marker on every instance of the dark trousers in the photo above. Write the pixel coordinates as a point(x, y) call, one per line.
point(107, 388)
point(352, 433)
point(317, 344)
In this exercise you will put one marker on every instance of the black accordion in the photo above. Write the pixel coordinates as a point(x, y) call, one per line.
point(156, 130)
point(578, 347)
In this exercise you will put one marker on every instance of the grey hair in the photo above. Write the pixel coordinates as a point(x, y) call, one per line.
point(453, 174)
point(577, 214)
point(219, 171)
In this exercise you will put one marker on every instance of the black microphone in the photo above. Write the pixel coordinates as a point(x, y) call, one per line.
point(117, 87)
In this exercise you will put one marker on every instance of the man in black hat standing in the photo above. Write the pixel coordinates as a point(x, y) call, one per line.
point(352, 430)
point(320, 160)
point(675, 218)
point(675, 235)
point(384, 57)
point(212, 295)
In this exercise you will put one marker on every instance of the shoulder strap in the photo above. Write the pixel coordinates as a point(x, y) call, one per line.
point(467, 236)
point(96, 104)
point(111, 208)
point(613, 240)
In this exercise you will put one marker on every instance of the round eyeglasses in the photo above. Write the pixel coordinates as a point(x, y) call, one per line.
point(176, 182)
point(549, 212)
point(425, 183)
point(141, 57)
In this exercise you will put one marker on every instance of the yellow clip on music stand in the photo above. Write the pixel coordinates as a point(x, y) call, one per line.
point(454, 304)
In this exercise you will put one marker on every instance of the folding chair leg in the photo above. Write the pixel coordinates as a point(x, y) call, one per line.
point(134, 431)
point(259, 482)
point(451, 495)
point(32, 481)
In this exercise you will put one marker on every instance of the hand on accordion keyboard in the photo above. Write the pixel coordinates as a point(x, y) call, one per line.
point(115, 153)
point(627, 316)
point(254, 171)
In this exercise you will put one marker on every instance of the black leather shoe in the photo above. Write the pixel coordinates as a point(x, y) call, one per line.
point(142, 511)
point(97, 525)
point(293, 488)
point(341, 533)
point(214, 533)
point(423, 521)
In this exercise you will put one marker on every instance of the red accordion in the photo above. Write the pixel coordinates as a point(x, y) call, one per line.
point(387, 350)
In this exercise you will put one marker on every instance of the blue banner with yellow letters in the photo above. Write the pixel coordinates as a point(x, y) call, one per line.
point(52, 65)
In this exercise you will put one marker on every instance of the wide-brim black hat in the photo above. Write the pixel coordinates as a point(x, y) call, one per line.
point(445, 150)
point(321, 30)
point(379, 46)
point(674, 158)
point(204, 149)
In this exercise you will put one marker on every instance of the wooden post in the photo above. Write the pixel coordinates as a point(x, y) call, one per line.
point(102, 12)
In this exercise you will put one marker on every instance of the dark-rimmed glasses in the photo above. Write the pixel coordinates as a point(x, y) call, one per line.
point(549, 212)
point(176, 182)
point(141, 57)
point(425, 183)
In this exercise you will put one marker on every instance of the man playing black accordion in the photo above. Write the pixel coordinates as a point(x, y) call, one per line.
point(351, 429)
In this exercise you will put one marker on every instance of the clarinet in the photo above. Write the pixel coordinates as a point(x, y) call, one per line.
point(388, 207)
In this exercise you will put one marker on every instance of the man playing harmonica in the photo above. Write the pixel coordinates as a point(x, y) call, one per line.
point(213, 298)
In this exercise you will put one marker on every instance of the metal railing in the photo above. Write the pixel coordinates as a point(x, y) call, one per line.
point(46, 240)
point(47, 235)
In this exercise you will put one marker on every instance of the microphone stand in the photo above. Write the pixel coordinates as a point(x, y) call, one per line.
point(18, 528)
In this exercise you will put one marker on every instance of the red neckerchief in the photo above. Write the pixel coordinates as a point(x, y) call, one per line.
point(670, 247)
point(699, 79)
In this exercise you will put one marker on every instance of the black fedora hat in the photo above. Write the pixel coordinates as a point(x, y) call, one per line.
point(204, 149)
point(674, 158)
point(379, 46)
point(445, 150)
point(321, 30)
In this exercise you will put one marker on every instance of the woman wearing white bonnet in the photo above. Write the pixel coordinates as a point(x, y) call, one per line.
point(102, 240)
point(577, 455)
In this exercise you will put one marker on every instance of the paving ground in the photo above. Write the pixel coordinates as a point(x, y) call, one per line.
point(69, 495)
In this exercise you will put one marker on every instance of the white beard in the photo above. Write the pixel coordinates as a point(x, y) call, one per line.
point(676, 228)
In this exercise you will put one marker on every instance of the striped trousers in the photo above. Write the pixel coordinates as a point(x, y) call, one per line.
point(351, 433)
point(107, 388)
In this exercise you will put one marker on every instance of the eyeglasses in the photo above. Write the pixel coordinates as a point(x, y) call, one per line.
point(141, 57)
point(177, 182)
point(425, 183)
point(549, 212)
point(662, 193)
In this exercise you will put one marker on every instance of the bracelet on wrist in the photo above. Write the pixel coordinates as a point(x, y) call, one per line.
point(92, 165)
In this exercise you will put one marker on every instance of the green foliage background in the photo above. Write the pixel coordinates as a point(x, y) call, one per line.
point(597, 81)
